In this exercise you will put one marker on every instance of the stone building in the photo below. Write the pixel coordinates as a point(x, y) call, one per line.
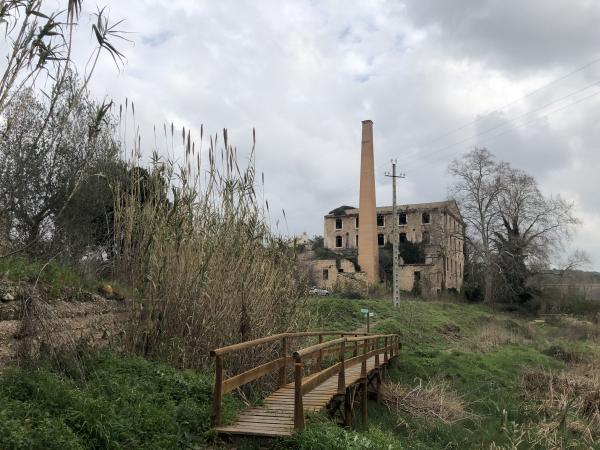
point(338, 274)
point(438, 226)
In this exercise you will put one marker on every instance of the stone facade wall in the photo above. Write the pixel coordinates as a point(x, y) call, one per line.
point(80, 318)
point(334, 276)
point(442, 233)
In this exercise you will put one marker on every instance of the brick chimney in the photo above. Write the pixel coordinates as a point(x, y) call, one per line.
point(368, 250)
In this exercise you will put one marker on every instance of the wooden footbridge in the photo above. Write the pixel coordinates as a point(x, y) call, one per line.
point(362, 360)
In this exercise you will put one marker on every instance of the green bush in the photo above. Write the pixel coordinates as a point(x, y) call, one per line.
point(110, 402)
point(324, 434)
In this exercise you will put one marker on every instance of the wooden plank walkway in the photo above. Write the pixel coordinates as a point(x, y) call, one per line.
point(276, 416)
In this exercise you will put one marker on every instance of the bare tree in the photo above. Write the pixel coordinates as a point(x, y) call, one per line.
point(533, 228)
point(476, 189)
point(513, 229)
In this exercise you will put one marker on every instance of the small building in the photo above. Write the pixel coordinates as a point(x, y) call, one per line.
point(437, 227)
point(337, 274)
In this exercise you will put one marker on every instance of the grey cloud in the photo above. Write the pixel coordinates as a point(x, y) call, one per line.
point(304, 74)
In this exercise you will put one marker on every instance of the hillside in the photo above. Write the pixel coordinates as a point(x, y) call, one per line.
point(467, 377)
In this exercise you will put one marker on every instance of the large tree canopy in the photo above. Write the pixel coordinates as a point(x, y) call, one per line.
point(513, 229)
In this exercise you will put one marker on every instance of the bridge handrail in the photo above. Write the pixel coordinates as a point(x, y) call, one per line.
point(223, 386)
point(303, 387)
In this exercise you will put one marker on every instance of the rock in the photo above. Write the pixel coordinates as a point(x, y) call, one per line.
point(8, 297)
point(106, 290)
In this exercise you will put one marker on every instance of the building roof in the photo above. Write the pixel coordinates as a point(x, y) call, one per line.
point(407, 207)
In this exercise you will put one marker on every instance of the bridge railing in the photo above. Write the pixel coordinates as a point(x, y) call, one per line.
point(317, 353)
point(370, 347)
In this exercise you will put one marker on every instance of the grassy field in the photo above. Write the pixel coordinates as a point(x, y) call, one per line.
point(467, 377)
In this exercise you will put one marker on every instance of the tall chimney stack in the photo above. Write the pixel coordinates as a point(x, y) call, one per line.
point(368, 250)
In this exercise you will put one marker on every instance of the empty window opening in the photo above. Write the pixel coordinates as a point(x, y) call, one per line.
point(356, 222)
point(426, 238)
point(340, 270)
point(357, 240)
point(402, 237)
point(326, 274)
point(338, 241)
point(380, 239)
point(380, 220)
point(402, 219)
point(417, 276)
point(425, 217)
point(338, 223)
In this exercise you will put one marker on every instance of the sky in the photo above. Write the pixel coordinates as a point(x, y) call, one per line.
point(437, 78)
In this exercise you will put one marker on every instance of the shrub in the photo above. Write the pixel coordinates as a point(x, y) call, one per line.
point(209, 269)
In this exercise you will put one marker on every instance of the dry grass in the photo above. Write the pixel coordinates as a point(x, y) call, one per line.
point(569, 401)
point(433, 400)
point(493, 335)
point(194, 241)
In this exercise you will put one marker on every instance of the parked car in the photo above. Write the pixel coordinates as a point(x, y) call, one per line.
point(317, 291)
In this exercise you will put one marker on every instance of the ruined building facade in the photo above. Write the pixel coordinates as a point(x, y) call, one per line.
point(437, 227)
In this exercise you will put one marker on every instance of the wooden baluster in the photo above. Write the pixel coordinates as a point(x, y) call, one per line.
point(378, 371)
point(385, 353)
point(355, 353)
point(217, 392)
point(363, 374)
point(342, 372)
point(284, 354)
point(298, 405)
point(320, 357)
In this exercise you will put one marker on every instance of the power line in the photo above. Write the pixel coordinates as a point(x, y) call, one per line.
point(495, 127)
point(515, 127)
point(529, 94)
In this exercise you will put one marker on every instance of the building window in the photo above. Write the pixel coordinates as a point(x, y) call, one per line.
point(356, 222)
point(338, 241)
point(425, 217)
point(380, 239)
point(340, 270)
point(402, 237)
point(325, 274)
point(426, 238)
point(417, 276)
point(338, 223)
point(357, 240)
point(402, 219)
point(380, 220)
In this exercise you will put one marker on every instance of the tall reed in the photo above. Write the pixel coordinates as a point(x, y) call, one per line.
point(192, 238)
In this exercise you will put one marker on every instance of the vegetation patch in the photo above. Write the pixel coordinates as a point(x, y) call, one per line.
point(433, 399)
point(106, 401)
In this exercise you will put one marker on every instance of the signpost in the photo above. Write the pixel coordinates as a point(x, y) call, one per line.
point(369, 314)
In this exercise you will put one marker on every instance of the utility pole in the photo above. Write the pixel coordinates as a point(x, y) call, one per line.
point(396, 281)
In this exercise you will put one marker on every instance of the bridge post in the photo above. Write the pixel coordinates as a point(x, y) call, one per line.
point(284, 353)
point(298, 405)
point(342, 372)
point(218, 392)
point(348, 406)
point(365, 382)
point(320, 357)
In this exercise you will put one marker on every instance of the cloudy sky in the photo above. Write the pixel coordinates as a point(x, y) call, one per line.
point(436, 78)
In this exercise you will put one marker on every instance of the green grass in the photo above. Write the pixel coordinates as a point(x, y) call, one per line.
point(109, 402)
point(56, 277)
point(49, 273)
point(115, 402)
point(439, 342)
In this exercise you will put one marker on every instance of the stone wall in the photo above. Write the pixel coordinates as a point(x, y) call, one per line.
point(34, 320)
